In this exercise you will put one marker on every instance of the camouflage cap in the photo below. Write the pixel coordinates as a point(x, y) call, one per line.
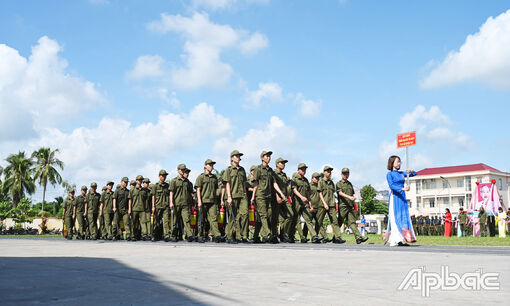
point(302, 165)
point(139, 177)
point(163, 172)
point(93, 184)
point(252, 168)
point(266, 153)
point(132, 183)
point(345, 170)
point(125, 179)
point(104, 188)
point(281, 160)
point(84, 187)
point(146, 180)
point(316, 174)
point(327, 167)
point(110, 183)
point(209, 162)
point(236, 152)
point(181, 167)
point(71, 190)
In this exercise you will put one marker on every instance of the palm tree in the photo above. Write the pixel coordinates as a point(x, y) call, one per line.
point(45, 169)
point(18, 176)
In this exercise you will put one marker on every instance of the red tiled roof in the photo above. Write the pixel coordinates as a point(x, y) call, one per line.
point(454, 169)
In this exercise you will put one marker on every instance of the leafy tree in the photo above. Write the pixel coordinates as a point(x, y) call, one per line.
point(5, 210)
point(4, 195)
point(21, 213)
point(46, 169)
point(368, 203)
point(18, 177)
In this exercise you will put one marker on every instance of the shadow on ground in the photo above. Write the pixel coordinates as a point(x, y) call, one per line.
point(78, 281)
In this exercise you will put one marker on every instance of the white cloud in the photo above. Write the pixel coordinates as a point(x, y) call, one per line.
point(308, 108)
point(275, 136)
point(267, 91)
point(37, 92)
point(205, 41)
point(484, 57)
point(224, 4)
point(147, 66)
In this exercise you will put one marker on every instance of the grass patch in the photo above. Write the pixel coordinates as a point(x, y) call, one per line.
point(440, 240)
point(31, 236)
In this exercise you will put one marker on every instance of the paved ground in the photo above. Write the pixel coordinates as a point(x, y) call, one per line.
point(59, 272)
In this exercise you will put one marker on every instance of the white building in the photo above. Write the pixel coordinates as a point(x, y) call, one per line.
point(435, 189)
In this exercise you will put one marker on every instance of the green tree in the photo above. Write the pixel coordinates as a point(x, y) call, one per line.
point(21, 213)
point(368, 194)
point(18, 177)
point(46, 169)
point(4, 195)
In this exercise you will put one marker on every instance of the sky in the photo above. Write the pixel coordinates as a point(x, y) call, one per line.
point(123, 88)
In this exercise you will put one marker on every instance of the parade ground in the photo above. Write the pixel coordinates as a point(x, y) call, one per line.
point(59, 272)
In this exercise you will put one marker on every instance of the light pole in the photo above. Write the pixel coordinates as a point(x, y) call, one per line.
point(449, 191)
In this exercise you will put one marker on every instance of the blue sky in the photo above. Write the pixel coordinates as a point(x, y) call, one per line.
point(129, 87)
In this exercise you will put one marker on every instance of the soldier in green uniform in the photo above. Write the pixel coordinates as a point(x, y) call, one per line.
point(346, 200)
point(92, 202)
point(80, 212)
point(302, 194)
point(181, 193)
point(287, 209)
point(68, 214)
point(206, 185)
point(462, 221)
point(326, 189)
point(137, 198)
point(316, 207)
point(106, 210)
point(483, 222)
point(121, 206)
point(264, 181)
point(161, 206)
point(147, 208)
point(221, 198)
point(102, 226)
point(234, 179)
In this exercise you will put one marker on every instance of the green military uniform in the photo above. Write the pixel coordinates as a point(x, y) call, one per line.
point(317, 206)
point(303, 187)
point(265, 202)
point(137, 197)
point(80, 219)
point(208, 184)
point(147, 210)
point(110, 229)
point(327, 188)
point(346, 206)
point(69, 205)
point(483, 223)
point(182, 190)
point(287, 209)
point(220, 201)
point(121, 197)
point(102, 226)
point(93, 200)
point(161, 199)
point(463, 221)
point(236, 178)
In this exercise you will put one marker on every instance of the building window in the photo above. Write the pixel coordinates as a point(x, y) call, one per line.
point(446, 201)
point(461, 202)
point(418, 202)
point(468, 183)
point(429, 184)
point(460, 183)
point(445, 184)
point(500, 184)
point(418, 186)
point(432, 203)
point(479, 179)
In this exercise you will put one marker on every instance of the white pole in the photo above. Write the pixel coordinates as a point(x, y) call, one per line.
point(407, 164)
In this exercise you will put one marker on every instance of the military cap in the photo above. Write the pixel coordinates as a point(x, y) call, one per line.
point(125, 179)
point(110, 183)
point(209, 162)
point(163, 172)
point(327, 167)
point(139, 177)
point(252, 168)
point(265, 153)
point(302, 165)
point(316, 174)
point(281, 160)
point(146, 180)
point(93, 184)
point(71, 190)
point(345, 170)
point(104, 188)
point(236, 152)
point(181, 167)
point(83, 187)
point(132, 183)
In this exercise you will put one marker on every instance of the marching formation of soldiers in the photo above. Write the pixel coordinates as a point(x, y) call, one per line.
point(264, 206)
